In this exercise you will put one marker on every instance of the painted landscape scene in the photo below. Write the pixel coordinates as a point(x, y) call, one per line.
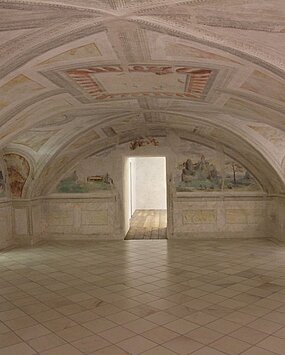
point(201, 174)
point(72, 184)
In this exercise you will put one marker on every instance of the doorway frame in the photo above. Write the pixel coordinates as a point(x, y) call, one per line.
point(169, 197)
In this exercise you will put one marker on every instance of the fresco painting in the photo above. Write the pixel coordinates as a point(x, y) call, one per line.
point(2, 184)
point(206, 170)
point(142, 142)
point(262, 84)
point(18, 171)
point(185, 51)
point(72, 184)
point(89, 50)
point(21, 87)
point(85, 139)
point(273, 135)
point(152, 80)
point(35, 138)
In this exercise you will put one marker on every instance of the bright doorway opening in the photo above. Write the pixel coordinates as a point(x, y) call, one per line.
point(147, 198)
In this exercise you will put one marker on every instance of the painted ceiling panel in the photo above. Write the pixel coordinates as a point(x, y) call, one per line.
point(79, 72)
point(18, 89)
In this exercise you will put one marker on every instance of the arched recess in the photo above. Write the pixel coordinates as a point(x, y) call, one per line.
point(20, 168)
point(236, 147)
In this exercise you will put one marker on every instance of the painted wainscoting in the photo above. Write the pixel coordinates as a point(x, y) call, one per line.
point(6, 224)
point(200, 216)
point(28, 221)
point(276, 220)
point(99, 217)
point(75, 216)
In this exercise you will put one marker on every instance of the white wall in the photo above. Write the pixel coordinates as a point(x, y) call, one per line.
point(149, 183)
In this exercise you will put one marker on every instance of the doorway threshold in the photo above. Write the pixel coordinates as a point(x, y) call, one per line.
point(148, 224)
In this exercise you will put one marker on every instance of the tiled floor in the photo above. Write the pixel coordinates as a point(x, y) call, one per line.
point(143, 297)
point(148, 224)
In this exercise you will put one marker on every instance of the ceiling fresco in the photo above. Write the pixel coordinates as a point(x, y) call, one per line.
point(78, 77)
point(108, 82)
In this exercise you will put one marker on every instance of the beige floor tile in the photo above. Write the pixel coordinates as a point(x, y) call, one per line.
point(46, 342)
point(4, 329)
point(249, 335)
point(46, 316)
point(223, 326)
point(110, 350)
point(99, 325)
point(70, 309)
point(162, 304)
point(181, 326)
point(280, 333)
point(230, 345)
point(257, 351)
point(139, 325)
point(84, 317)
point(35, 308)
point(17, 349)
point(207, 351)
point(274, 344)
point(90, 344)
point(122, 317)
point(161, 318)
point(204, 335)
point(8, 339)
point(265, 325)
point(159, 350)
point(56, 325)
point(32, 332)
point(277, 317)
point(74, 333)
point(182, 345)
point(181, 286)
point(160, 335)
point(63, 350)
point(106, 309)
point(240, 318)
point(117, 334)
point(136, 345)
point(11, 314)
point(200, 318)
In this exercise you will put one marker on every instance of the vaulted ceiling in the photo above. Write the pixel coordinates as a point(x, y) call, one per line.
point(80, 76)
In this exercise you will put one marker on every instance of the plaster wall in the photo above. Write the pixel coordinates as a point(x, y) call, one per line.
point(220, 216)
point(276, 217)
point(90, 217)
point(28, 221)
point(6, 226)
point(195, 217)
point(100, 217)
point(105, 214)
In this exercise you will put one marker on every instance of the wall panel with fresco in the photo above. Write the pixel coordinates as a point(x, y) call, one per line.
point(18, 169)
point(89, 176)
point(202, 169)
